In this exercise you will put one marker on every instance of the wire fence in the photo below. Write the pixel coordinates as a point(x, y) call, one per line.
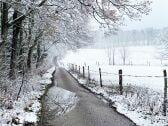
point(129, 75)
point(99, 75)
point(116, 74)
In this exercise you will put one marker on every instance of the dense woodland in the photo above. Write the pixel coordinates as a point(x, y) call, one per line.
point(29, 28)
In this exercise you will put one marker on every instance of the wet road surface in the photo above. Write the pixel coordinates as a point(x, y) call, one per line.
point(89, 111)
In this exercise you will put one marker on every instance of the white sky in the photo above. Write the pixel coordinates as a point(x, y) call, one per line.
point(158, 17)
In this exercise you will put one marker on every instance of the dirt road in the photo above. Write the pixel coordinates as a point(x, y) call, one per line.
point(89, 111)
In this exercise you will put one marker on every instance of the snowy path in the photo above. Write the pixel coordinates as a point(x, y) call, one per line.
point(89, 111)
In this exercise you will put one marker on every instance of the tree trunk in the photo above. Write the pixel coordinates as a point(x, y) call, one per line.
point(113, 56)
point(4, 32)
point(35, 43)
point(30, 27)
point(21, 51)
point(4, 26)
point(15, 39)
point(38, 54)
point(29, 58)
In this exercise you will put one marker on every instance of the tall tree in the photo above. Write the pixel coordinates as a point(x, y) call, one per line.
point(62, 22)
point(4, 31)
point(15, 40)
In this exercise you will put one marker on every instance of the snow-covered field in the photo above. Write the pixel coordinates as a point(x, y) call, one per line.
point(136, 55)
point(145, 69)
point(142, 105)
point(143, 81)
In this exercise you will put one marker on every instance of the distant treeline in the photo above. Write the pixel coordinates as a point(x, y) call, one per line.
point(148, 36)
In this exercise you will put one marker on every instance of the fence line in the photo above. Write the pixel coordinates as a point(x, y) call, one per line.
point(127, 75)
point(121, 75)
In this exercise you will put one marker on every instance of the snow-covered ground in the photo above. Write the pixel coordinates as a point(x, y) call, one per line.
point(145, 69)
point(142, 105)
point(26, 108)
point(136, 55)
point(149, 77)
point(143, 80)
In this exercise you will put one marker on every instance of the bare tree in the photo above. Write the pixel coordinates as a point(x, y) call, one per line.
point(162, 50)
point(111, 54)
point(124, 54)
point(30, 27)
point(111, 13)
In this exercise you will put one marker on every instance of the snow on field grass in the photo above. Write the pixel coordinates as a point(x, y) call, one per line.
point(25, 109)
point(142, 105)
point(149, 77)
point(140, 58)
point(143, 81)
point(136, 55)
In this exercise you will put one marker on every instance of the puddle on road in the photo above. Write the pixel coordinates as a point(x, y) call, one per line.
point(57, 102)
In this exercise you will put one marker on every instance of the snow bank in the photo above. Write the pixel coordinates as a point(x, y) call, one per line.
point(25, 109)
point(46, 77)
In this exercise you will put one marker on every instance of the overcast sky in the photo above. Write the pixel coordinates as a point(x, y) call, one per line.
point(158, 17)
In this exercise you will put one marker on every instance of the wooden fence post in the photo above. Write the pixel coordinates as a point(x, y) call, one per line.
point(120, 82)
point(76, 70)
point(73, 68)
point(100, 77)
point(79, 70)
point(83, 72)
point(165, 93)
point(88, 74)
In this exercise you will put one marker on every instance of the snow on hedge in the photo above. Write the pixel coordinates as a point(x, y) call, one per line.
point(25, 109)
